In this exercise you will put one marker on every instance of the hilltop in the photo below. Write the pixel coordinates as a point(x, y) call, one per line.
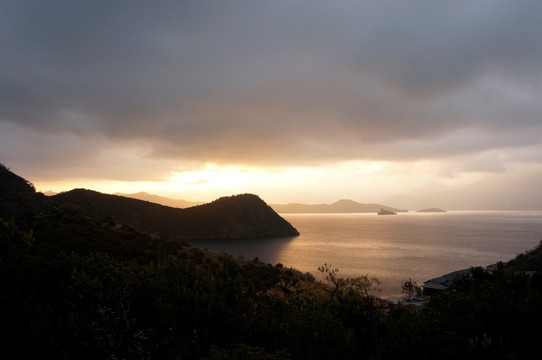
point(340, 206)
point(233, 217)
point(18, 195)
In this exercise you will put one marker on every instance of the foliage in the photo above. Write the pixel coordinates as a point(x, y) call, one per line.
point(18, 196)
point(79, 286)
point(62, 299)
point(528, 261)
point(338, 285)
point(241, 216)
point(245, 352)
point(410, 288)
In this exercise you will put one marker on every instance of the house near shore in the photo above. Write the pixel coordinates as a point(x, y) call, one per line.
point(442, 283)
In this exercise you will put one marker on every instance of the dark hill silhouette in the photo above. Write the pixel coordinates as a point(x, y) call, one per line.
point(528, 261)
point(18, 196)
point(240, 216)
point(341, 206)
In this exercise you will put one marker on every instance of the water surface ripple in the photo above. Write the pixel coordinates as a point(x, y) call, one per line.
point(394, 248)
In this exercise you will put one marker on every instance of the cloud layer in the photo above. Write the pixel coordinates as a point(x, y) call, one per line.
point(277, 83)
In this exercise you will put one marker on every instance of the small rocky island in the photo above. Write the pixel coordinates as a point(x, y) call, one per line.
point(386, 212)
point(434, 210)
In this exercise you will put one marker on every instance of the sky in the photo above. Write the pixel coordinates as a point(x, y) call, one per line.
point(414, 102)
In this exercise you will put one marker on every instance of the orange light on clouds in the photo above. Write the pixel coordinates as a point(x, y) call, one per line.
point(211, 175)
point(364, 181)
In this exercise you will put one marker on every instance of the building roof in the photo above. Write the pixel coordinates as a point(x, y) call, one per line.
point(442, 282)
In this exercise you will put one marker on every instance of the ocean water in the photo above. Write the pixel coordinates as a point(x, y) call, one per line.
point(394, 248)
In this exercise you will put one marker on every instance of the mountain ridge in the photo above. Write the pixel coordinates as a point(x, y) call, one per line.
point(339, 206)
point(232, 217)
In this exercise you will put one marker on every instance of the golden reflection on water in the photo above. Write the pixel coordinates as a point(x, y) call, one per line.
point(395, 248)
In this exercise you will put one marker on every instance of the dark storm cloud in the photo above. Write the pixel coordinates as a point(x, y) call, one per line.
point(277, 81)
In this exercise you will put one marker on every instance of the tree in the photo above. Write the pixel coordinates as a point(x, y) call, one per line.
point(335, 284)
point(410, 288)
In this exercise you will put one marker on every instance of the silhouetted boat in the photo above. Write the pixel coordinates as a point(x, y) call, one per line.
point(386, 212)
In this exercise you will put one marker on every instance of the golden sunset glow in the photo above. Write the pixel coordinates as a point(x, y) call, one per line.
point(371, 181)
point(271, 100)
point(214, 179)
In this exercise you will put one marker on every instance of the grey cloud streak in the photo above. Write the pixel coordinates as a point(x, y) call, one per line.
point(277, 82)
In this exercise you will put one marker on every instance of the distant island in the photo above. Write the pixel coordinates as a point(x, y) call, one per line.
point(386, 212)
point(341, 206)
point(431, 210)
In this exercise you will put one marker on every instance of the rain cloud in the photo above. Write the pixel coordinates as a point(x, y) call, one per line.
point(277, 83)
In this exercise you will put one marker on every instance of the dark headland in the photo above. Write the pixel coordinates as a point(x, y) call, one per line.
point(233, 217)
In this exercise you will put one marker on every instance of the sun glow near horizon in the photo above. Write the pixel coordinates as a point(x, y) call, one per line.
point(363, 181)
point(299, 112)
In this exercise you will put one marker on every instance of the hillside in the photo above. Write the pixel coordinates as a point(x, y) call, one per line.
point(341, 206)
point(74, 285)
point(18, 196)
point(241, 216)
point(79, 287)
point(234, 217)
point(528, 261)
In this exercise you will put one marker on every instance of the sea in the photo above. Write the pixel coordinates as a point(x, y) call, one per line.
point(394, 248)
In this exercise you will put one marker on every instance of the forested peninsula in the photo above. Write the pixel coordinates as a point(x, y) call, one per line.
point(77, 282)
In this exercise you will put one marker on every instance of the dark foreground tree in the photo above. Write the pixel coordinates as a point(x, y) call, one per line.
point(410, 288)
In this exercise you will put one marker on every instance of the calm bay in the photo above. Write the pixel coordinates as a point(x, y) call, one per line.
point(394, 248)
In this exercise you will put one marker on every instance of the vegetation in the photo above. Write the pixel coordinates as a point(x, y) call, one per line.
point(71, 287)
point(528, 261)
point(76, 286)
point(411, 288)
point(233, 217)
point(240, 216)
point(17, 195)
